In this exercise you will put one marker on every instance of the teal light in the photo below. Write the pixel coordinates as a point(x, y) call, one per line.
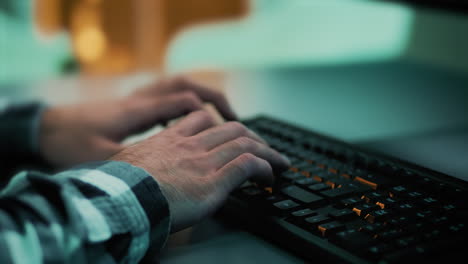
point(297, 32)
point(24, 55)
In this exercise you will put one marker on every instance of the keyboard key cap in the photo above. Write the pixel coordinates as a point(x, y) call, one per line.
point(364, 209)
point(339, 192)
point(301, 195)
point(378, 216)
point(387, 203)
point(352, 201)
point(399, 221)
point(304, 212)
point(291, 175)
point(390, 234)
point(373, 197)
point(318, 219)
point(285, 205)
point(373, 181)
point(377, 251)
point(319, 187)
point(330, 228)
point(406, 241)
point(405, 207)
point(342, 214)
point(306, 181)
point(398, 191)
point(352, 240)
point(372, 228)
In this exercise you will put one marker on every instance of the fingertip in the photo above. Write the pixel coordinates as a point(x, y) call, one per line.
point(286, 160)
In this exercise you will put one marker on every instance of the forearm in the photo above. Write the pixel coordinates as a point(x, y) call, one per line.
point(19, 131)
point(100, 213)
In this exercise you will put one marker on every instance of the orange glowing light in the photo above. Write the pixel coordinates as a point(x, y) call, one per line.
point(90, 44)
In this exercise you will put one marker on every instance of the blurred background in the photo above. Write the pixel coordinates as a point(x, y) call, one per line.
point(40, 38)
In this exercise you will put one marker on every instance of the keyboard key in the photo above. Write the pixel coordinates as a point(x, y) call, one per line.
point(285, 205)
point(389, 234)
point(304, 212)
point(306, 181)
point(405, 207)
point(352, 240)
point(364, 209)
point(330, 228)
point(378, 216)
point(428, 202)
point(399, 221)
point(406, 241)
point(272, 198)
point(342, 214)
point(352, 201)
point(372, 197)
point(339, 192)
point(291, 175)
point(372, 228)
point(387, 203)
point(398, 191)
point(319, 187)
point(377, 251)
point(373, 181)
point(318, 219)
point(323, 176)
point(301, 195)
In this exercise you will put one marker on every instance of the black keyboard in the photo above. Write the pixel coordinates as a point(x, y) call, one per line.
point(339, 203)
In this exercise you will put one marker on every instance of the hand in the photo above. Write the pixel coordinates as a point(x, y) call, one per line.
point(198, 164)
point(70, 135)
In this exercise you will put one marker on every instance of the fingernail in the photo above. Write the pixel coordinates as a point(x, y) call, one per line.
point(286, 159)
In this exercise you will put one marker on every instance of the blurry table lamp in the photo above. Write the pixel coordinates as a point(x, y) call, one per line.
point(122, 36)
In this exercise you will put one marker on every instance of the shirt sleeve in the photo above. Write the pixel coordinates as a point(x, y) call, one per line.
point(19, 125)
point(107, 212)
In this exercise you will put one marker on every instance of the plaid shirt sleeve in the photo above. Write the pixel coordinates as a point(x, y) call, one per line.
point(106, 212)
point(19, 150)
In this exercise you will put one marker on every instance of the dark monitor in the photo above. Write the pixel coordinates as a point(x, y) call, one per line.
point(460, 6)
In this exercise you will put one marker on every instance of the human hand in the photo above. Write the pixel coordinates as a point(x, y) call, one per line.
point(197, 164)
point(73, 134)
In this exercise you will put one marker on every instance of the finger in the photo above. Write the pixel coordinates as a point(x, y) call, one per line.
point(144, 113)
point(229, 151)
point(226, 132)
point(206, 94)
point(246, 166)
point(193, 123)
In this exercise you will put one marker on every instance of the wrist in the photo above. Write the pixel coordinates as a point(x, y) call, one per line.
point(147, 191)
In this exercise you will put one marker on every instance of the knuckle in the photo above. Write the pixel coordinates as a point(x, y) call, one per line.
point(205, 117)
point(244, 163)
point(247, 158)
point(244, 142)
point(238, 127)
